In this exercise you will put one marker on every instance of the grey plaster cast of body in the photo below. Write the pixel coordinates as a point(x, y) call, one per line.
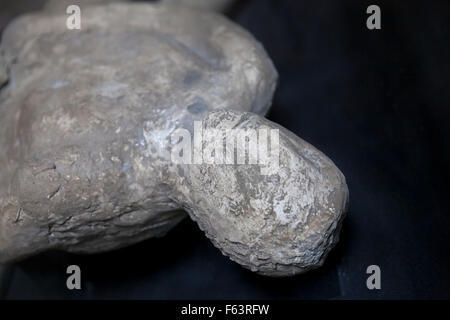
point(84, 113)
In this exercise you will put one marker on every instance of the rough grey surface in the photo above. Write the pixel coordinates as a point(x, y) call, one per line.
point(61, 5)
point(85, 112)
point(211, 5)
point(276, 224)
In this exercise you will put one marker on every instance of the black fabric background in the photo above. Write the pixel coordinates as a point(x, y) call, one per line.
point(378, 104)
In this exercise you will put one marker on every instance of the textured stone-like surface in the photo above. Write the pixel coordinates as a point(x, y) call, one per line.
point(85, 114)
point(277, 224)
point(76, 164)
point(61, 5)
